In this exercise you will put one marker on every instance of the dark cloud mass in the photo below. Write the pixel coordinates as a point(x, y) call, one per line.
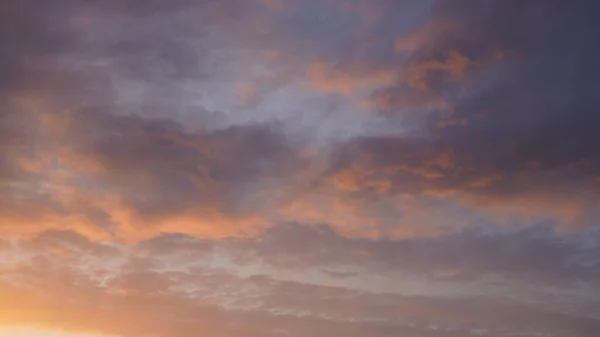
point(300, 168)
point(530, 110)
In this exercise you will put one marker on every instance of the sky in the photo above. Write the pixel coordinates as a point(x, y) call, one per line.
point(33, 332)
point(292, 168)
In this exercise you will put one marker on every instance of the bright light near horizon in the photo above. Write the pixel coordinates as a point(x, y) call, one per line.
point(31, 332)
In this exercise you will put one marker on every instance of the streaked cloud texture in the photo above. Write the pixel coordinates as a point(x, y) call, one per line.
point(291, 168)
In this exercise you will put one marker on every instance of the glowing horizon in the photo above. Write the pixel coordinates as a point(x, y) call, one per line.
point(40, 332)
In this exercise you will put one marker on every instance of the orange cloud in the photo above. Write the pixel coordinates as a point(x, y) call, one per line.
point(454, 64)
point(356, 206)
point(329, 79)
point(64, 188)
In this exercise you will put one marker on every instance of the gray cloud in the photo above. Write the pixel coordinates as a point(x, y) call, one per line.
point(495, 102)
point(528, 114)
point(535, 254)
point(182, 169)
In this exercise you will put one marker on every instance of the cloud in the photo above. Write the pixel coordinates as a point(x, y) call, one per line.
point(73, 302)
point(495, 94)
point(533, 255)
point(150, 175)
point(331, 80)
point(328, 168)
point(466, 140)
point(60, 153)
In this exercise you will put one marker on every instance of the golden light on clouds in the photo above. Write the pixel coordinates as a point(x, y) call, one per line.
point(292, 168)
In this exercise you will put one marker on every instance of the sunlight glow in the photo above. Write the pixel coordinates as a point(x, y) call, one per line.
point(31, 332)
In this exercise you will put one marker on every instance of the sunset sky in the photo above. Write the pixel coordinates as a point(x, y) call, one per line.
point(299, 168)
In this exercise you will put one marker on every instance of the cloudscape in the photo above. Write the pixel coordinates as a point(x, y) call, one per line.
point(273, 168)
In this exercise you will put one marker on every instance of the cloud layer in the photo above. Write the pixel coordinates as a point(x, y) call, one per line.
point(328, 168)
